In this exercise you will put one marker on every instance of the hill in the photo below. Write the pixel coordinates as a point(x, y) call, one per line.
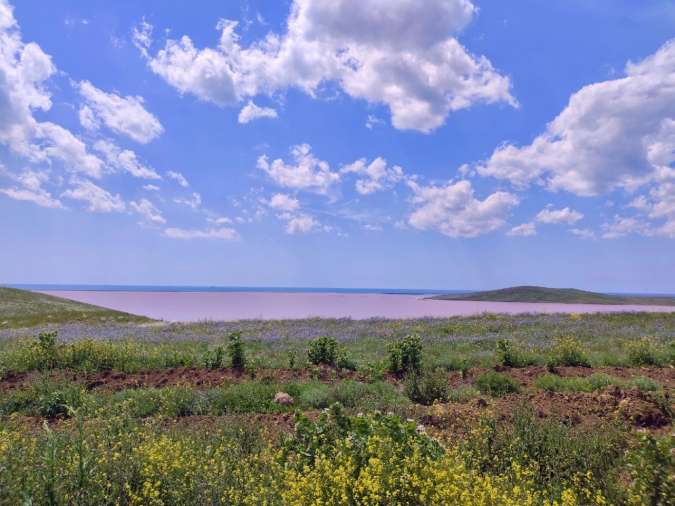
point(21, 308)
point(559, 295)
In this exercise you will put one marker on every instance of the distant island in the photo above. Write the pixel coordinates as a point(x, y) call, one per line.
point(559, 295)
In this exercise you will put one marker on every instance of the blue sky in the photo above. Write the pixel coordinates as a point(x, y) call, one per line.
point(370, 143)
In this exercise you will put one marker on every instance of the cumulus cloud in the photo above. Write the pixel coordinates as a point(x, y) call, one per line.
point(124, 160)
point(178, 177)
point(123, 115)
point(30, 189)
point(147, 211)
point(301, 224)
point(401, 53)
point(151, 188)
point(24, 70)
point(99, 200)
point(659, 205)
point(613, 134)
point(454, 211)
point(378, 175)
point(252, 112)
point(523, 230)
point(283, 202)
point(558, 216)
point(220, 233)
point(306, 172)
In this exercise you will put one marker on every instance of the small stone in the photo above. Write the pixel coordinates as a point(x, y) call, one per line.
point(283, 399)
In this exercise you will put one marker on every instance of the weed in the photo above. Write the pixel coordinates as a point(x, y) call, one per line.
point(427, 388)
point(405, 356)
point(235, 349)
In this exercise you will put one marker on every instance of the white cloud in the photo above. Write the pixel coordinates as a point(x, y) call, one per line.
point(100, 200)
point(178, 177)
point(454, 211)
point(612, 134)
point(301, 224)
point(558, 216)
point(30, 189)
point(584, 233)
point(219, 220)
point(194, 201)
point(123, 115)
point(622, 226)
point(142, 37)
point(24, 69)
point(377, 175)
point(222, 233)
point(252, 112)
point(151, 188)
point(401, 53)
point(283, 202)
point(373, 121)
point(524, 230)
point(148, 211)
point(307, 173)
point(659, 205)
point(124, 160)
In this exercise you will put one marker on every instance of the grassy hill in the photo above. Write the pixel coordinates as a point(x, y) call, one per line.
point(21, 308)
point(560, 295)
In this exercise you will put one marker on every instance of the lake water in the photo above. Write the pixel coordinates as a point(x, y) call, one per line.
point(195, 306)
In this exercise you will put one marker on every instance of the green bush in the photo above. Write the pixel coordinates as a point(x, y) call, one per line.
point(323, 350)
point(235, 348)
point(463, 393)
point(496, 384)
point(509, 354)
point(645, 384)
point(568, 351)
point(643, 352)
point(176, 402)
point(405, 356)
point(427, 388)
point(554, 451)
point(652, 470)
point(313, 396)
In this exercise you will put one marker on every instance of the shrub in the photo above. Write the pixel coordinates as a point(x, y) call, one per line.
point(45, 351)
point(568, 351)
point(313, 396)
point(344, 361)
point(496, 384)
point(554, 452)
point(643, 352)
point(652, 470)
point(509, 354)
point(463, 393)
point(323, 350)
point(405, 356)
point(428, 387)
point(235, 349)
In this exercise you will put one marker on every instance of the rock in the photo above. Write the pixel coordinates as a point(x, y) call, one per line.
point(283, 399)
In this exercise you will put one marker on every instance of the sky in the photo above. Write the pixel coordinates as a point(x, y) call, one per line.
point(457, 144)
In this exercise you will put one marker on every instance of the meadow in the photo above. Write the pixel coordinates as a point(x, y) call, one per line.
point(490, 410)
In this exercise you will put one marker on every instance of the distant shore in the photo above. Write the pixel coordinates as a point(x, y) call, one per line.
point(190, 306)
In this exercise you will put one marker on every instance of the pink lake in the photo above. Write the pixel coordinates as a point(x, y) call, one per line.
point(195, 306)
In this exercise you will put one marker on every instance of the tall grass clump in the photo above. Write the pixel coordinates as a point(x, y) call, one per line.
point(643, 352)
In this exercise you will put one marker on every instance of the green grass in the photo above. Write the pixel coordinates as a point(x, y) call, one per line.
point(21, 308)
point(559, 295)
point(596, 381)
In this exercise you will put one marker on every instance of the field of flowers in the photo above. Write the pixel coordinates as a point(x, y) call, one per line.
point(488, 410)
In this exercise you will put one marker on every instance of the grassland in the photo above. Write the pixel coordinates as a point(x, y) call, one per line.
point(21, 308)
point(557, 295)
point(492, 409)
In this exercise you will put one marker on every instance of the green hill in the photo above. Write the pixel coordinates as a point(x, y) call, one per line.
point(21, 308)
point(560, 295)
